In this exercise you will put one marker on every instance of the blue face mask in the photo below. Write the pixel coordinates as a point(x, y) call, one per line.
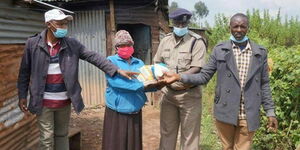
point(180, 31)
point(232, 38)
point(60, 33)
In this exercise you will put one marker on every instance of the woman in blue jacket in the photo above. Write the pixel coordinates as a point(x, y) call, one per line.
point(124, 100)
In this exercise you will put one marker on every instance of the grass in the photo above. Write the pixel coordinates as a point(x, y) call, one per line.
point(209, 139)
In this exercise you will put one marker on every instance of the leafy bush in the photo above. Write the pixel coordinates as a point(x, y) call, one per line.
point(285, 84)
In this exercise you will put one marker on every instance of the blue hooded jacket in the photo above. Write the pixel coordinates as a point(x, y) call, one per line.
point(124, 95)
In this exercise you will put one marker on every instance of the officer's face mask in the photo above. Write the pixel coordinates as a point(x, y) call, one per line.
point(180, 31)
point(60, 32)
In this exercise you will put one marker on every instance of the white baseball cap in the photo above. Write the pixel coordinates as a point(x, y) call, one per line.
point(56, 14)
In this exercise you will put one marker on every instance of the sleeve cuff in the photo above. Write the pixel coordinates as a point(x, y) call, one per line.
point(183, 78)
point(113, 72)
point(22, 95)
point(270, 113)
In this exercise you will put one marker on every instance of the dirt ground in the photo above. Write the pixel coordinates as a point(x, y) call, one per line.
point(90, 121)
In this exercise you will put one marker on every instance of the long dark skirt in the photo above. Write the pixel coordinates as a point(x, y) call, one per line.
point(122, 131)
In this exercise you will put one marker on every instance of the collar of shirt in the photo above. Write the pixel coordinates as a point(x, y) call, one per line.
point(53, 45)
point(53, 48)
point(247, 48)
point(133, 59)
point(184, 38)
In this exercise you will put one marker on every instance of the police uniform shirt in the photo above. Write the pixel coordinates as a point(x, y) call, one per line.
point(178, 55)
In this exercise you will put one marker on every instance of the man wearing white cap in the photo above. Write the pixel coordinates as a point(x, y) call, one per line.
point(49, 70)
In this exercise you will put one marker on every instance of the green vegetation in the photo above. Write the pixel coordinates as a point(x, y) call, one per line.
point(209, 138)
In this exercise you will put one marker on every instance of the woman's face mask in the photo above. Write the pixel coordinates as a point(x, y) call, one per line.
point(125, 52)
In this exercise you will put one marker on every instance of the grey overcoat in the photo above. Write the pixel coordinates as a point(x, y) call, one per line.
point(228, 90)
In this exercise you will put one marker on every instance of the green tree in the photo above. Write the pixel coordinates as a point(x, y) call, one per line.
point(173, 7)
point(201, 11)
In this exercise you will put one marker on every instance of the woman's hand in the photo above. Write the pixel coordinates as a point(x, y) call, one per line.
point(127, 74)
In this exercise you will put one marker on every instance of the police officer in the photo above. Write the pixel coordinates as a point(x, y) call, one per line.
point(183, 51)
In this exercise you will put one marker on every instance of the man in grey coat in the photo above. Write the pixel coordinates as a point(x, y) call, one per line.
point(49, 71)
point(242, 86)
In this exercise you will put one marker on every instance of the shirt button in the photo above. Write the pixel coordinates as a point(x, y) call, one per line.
point(228, 75)
point(228, 91)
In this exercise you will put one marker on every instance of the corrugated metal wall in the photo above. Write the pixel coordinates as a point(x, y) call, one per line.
point(17, 24)
point(89, 28)
point(10, 56)
point(17, 131)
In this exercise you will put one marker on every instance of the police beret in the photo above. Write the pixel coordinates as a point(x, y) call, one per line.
point(180, 14)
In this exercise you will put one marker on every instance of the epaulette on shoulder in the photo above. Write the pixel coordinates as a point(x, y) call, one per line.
point(169, 34)
point(195, 35)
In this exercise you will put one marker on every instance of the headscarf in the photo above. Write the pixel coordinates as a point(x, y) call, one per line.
point(122, 37)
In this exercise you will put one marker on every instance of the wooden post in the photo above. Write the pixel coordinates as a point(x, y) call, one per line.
point(112, 23)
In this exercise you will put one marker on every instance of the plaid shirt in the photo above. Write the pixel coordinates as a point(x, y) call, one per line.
point(242, 58)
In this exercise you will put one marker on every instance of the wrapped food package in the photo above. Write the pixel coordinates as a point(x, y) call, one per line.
point(152, 72)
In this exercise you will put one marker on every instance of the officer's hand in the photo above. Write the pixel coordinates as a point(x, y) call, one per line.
point(170, 77)
point(272, 124)
point(23, 105)
point(127, 74)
